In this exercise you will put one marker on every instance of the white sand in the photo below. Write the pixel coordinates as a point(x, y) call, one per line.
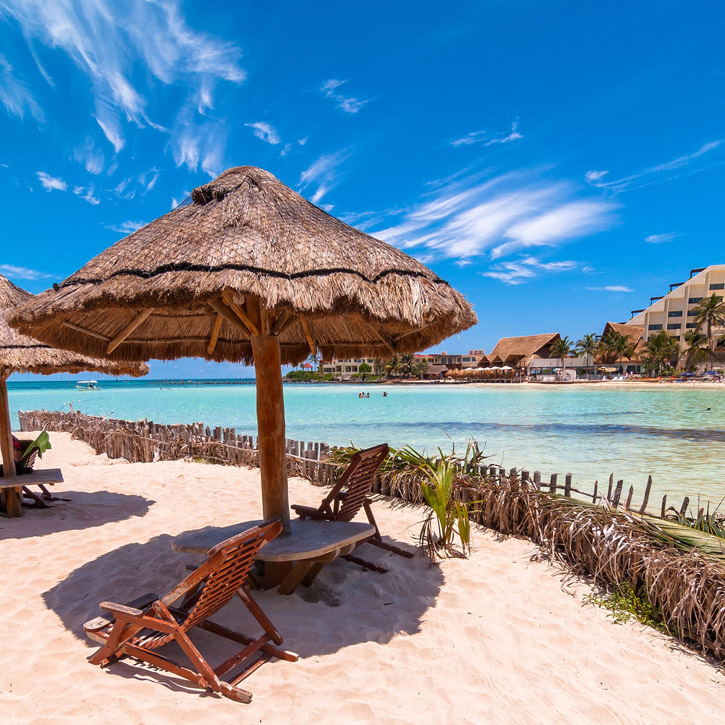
point(496, 638)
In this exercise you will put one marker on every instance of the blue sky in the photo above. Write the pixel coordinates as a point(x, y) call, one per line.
point(557, 162)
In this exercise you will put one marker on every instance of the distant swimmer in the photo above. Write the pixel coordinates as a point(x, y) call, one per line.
point(385, 393)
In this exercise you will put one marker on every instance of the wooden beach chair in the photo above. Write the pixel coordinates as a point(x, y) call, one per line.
point(138, 629)
point(349, 495)
point(24, 466)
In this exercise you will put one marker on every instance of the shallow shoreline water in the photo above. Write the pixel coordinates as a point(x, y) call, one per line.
point(630, 429)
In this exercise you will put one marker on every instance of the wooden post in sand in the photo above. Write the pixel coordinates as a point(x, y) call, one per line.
point(11, 496)
point(271, 427)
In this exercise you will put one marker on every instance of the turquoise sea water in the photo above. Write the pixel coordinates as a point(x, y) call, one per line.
point(588, 431)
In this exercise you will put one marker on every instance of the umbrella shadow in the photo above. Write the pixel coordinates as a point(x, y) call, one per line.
point(78, 510)
point(343, 607)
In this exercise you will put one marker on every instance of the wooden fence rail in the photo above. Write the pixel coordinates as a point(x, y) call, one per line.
point(145, 441)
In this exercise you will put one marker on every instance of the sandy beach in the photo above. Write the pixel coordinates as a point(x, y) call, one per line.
point(496, 638)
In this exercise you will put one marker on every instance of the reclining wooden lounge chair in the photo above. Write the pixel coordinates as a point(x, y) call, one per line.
point(33, 450)
point(344, 505)
point(137, 629)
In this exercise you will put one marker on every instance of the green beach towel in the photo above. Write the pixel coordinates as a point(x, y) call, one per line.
point(41, 443)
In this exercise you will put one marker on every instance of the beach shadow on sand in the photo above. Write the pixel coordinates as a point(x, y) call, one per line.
point(77, 510)
point(344, 607)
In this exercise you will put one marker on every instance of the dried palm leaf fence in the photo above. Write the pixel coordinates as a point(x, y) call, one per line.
point(145, 442)
point(681, 571)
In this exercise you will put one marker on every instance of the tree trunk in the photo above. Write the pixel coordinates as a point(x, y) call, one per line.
point(271, 427)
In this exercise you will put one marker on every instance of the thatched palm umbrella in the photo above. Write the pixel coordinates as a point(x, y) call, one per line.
point(19, 353)
point(247, 270)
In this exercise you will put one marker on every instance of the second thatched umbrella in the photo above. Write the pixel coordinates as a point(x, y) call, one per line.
point(22, 354)
point(249, 270)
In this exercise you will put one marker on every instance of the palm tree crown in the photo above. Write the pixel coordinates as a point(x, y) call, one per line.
point(711, 313)
point(562, 349)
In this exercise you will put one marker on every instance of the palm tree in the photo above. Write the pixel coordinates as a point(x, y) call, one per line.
point(618, 346)
point(391, 366)
point(711, 313)
point(405, 365)
point(379, 366)
point(588, 347)
point(661, 349)
point(315, 360)
point(562, 349)
point(696, 347)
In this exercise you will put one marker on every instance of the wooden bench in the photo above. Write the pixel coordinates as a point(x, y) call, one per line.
point(14, 488)
point(289, 559)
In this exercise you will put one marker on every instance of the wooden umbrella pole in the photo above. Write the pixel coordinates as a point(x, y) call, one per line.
point(271, 427)
point(11, 496)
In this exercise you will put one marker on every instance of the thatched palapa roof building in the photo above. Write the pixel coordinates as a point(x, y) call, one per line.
point(249, 270)
point(635, 337)
point(520, 351)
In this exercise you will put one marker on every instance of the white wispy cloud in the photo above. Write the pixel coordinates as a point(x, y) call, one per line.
point(661, 238)
point(89, 156)
point(324, 173)
point(522, 270)
point(611, 288)
point(594, 176)
point(126, 227)
point(108, 41)
point(485, 138)
point(51, 183)
point(499, 215)
point(199, 144)
point(348, 104)
point(87, 194)
point(22, 272)
point(682, 165)
point(265, 132)
point(14, 94)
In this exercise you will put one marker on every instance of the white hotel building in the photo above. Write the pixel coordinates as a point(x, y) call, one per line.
point(673, 312)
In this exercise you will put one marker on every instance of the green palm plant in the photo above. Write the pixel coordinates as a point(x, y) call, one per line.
point(711, 313)
point(562, 348)
point(450, 517)
point(696, 349)
point(588, 346)
point(405, 365)
point(615, 345)
point(662, 349)
point(391, 366)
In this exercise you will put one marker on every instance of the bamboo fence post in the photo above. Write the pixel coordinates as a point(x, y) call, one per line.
point(552, 483)
point(567, 485)
point(617, 494)
point(645, 500)
point(685, 504)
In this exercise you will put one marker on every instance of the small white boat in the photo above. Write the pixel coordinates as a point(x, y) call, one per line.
point(87, 385)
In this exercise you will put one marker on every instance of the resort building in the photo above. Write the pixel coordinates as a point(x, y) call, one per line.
point(522, 353)
point(674, 311)
point(347, 368)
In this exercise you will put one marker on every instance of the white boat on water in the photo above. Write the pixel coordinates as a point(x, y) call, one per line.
point(87, 385)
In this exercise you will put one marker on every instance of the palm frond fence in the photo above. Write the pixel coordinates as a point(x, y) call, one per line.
point(602, 535)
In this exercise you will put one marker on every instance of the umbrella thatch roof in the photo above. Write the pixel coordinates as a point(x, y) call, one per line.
point(247, 239)
point(19, 353)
